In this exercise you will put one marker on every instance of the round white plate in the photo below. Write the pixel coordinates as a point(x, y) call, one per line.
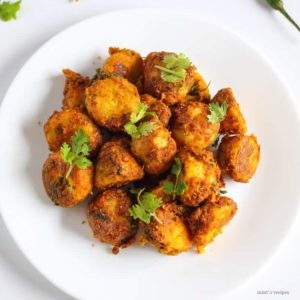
point(54, 239)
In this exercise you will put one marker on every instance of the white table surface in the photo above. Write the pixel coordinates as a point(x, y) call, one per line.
point(266, 29)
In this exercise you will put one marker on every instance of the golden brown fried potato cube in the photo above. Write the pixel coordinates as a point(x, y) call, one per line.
point(125, 62)
point(199, 91)
point(66, 192)
point(234, 121)
point(191, 127)
point(201, 174)
point(203, 88)
point(171, 235)
point(156, 150)
point(61, 126)
point(109, 218)
point(110, 102)
point(208, 220)
point(75, 85)
point(238, 156)
point(116, 166)
point(162, 110)
point(169, 92)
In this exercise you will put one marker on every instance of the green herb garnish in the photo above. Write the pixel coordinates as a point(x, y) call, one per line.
point(175, 67)
point(78, 152)
point(278, 5)
point(147, 204)
point(100, 75)
point(144, 128)
point(217, 112)
point(179, 187)
point(8, 10)
point(223, 192)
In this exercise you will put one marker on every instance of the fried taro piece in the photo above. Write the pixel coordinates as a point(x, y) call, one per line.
point(238, 156)
point(191, 127)
point(61, 126)
point(116, 166)
point(156, 150)
point(66, 192)
point(75, 85)
point(162, 110)
point(201, 175)
point(234, 121)
point(208, 220)
point(111, 101)
point(125, 62)
point(199, 91)
point(169, 92)
point(110, 221)
point(169, 235)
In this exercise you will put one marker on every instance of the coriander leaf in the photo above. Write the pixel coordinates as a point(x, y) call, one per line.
point(86, 149)
point(145, 128)
point(147, 204)
point(142, 113)
point(65, 150)
point(223, 192)
point(142, 109)
point(151, 113)
point(78, 139)
point(173, 76)
point(68, 155)
point(177, 60)
point(174, 68)
point(176, 167)
point(131, 129)
point(138, 212)
point(169, 77)
point(183, 61)
point(151, 202)
point(76, 154)
point(170, 60)
point(181, 187)
point(82, 162)
point(8, 10)
point(168, 187)
point(217, 112)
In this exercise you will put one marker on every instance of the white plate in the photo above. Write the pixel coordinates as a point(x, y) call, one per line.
point(54, 239)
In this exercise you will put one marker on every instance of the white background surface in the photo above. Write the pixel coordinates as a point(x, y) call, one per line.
point(267, 30)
